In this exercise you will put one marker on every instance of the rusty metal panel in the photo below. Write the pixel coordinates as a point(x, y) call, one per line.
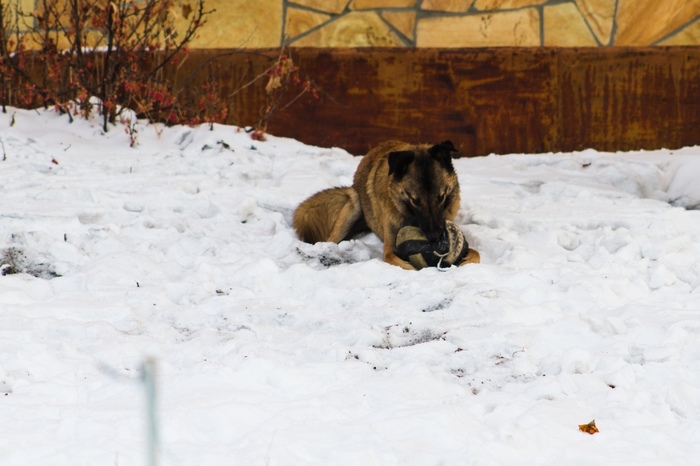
point(628, 98)
point(495, 100)
point(483, 100)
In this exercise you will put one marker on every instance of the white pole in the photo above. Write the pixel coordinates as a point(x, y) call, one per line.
point(149, 382)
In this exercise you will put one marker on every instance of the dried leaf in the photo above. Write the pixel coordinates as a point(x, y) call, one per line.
point(589, 428)
point(186, 10)
point(279, 73)
point(275, 82)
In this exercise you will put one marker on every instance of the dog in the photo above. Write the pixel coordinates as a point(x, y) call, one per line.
point(395, 183)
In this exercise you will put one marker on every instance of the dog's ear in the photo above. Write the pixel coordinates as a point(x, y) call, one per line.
point(445, 145)
point(399, 162)
point(442, 153)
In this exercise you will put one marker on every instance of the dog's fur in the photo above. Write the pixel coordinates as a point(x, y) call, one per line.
point(394, 183)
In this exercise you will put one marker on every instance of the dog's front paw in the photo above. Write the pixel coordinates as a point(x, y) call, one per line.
point(393, 259)
point(473, 257)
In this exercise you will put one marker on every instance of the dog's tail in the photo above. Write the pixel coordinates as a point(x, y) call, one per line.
point(316, 217)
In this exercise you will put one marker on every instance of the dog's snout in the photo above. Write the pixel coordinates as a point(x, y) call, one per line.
point(433, 228)
point(433, 234)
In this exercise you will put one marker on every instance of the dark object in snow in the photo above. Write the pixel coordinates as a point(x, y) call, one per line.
point(451, 248)
point(14, 261)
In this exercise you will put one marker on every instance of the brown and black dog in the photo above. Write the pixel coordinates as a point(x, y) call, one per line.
point(394, 183)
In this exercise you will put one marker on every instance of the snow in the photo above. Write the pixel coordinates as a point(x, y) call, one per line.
point(270, 351)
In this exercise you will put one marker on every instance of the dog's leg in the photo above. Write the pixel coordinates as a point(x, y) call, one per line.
point(391, 258)
point(473, 257)
point(348, 216)
point(390, 249)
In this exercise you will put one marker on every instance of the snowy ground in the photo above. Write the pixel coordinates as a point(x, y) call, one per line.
point(274, 352)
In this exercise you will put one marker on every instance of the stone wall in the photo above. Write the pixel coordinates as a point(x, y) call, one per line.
point(440, 23)
point(450, 23)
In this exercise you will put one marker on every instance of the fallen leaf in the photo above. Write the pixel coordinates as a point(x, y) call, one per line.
point(589, 428)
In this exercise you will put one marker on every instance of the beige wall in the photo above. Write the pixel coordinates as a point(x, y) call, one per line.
point(450, 23)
